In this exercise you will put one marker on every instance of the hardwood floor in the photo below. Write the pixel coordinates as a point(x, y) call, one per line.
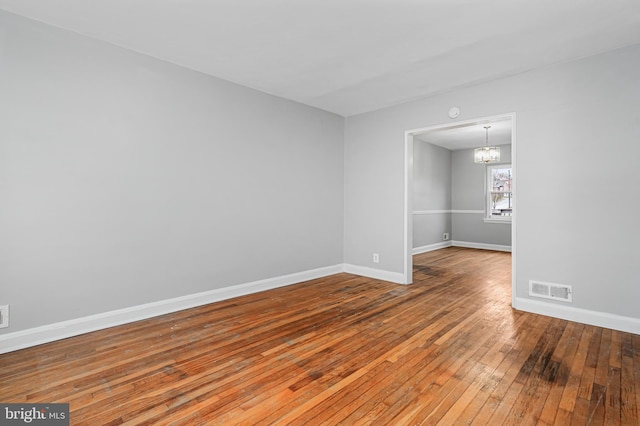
point(448, 350)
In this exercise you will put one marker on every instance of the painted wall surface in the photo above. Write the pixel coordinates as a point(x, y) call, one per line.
point(576, 210)
point(467, 192)
point(126, 180)
point(432, 192)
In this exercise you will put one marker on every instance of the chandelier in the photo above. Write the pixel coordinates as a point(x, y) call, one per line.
point(487, 154)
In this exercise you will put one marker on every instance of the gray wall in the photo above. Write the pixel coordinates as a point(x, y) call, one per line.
point(432, 192)
point(576, 220)
point(468, 193)
point(126, 180)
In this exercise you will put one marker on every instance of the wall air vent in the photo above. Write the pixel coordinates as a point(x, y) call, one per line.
point(551, 291)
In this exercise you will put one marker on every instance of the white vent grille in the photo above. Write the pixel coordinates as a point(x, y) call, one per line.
point(552, 291)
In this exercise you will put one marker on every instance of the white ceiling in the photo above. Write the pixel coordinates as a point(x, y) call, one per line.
point(351, 56)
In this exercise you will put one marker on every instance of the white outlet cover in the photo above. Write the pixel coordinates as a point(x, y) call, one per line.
point(4, 316)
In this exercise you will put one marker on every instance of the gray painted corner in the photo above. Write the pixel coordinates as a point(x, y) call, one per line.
point(449, 181)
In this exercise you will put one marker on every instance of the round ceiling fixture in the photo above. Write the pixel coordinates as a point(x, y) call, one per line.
point(454, 112)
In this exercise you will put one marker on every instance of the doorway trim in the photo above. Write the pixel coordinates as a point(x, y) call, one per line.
point(408, 190)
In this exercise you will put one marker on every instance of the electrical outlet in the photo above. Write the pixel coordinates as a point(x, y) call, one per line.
point(445, 236)
point(376, 258)
point(4, 316)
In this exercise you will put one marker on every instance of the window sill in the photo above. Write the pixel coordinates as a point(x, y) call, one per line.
point(506, 220)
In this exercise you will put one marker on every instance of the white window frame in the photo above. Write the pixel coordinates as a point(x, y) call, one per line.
point(488, 218)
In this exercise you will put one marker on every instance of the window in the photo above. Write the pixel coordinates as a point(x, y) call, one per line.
point(499, 193)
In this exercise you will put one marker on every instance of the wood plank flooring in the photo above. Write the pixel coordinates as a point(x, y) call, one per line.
point(348, 350)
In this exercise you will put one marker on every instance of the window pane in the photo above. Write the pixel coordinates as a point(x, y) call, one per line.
point(501, 195)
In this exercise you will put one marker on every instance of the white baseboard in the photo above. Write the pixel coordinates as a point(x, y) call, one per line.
point(432, 247)
point(584, 316)
point(378, 274)
point(444, 244)
point(482, 246)
point(61, 330)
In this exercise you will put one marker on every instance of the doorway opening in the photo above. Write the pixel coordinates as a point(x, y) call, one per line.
point(457, 137)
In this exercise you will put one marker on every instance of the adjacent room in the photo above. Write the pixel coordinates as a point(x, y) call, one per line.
point(459, 199)
point(289, 212)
